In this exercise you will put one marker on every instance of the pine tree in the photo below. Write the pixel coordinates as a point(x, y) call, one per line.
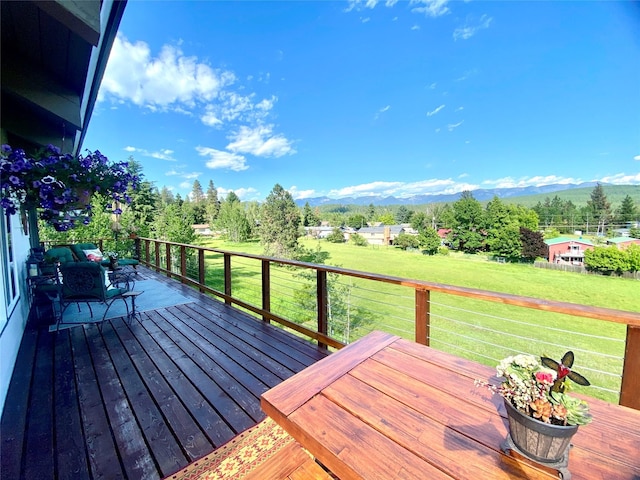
point(627, 211)
point(599, 207)
point(280, 223)
point(197, 195)
point(212, 203)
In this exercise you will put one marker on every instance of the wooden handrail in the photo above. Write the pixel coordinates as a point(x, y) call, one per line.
point(630, 389)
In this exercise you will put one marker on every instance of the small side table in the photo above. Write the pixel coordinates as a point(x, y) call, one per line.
point(133, 313)
point(122, 276)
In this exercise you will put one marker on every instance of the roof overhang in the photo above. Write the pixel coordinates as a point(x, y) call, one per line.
point(54, 54)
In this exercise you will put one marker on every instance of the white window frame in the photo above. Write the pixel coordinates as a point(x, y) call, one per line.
point(8, 269)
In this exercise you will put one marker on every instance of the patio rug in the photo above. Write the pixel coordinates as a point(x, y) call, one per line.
point(156, 295)
point(240, 455)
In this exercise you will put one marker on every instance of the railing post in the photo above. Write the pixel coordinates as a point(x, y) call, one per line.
point(167, 252)
point(630, 388)
point(227, 278)
point(201, 269)
point(157, 252)
point(322, 296)
point(423, 316)
point(136, 248)
point(183, 263)
point(147, 255)
point(266, 288)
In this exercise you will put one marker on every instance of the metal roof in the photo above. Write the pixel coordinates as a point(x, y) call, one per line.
point(557, 240)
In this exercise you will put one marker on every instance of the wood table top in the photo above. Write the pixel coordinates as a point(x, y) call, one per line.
point(385, 408)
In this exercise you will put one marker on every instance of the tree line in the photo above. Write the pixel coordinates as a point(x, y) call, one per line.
point(512, 231)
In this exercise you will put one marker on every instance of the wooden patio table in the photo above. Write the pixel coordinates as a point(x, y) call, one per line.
point(386, 408)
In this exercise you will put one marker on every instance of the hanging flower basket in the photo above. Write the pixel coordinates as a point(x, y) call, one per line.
point(60, 185)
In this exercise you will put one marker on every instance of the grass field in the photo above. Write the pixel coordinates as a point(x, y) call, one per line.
point(479, 330)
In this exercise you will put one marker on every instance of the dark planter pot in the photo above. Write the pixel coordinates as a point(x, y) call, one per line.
point(542, 442)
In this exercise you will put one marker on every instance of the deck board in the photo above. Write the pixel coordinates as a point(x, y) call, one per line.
point(141, 400)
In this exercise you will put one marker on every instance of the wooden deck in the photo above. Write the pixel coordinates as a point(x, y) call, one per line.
point(141, 401)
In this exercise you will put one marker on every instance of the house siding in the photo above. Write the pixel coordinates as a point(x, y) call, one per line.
point(16, 318)
point(567, 251)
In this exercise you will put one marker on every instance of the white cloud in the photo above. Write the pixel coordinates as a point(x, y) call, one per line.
point(164, 154)
point(430, 8)
point(621, 179)
point(510, 182)
point(459, 109)
point(432, 86)
point(244, 194)
point(381, 111)
point(401, 189)
point(365, 19)
point(223, 160)
point(260, 141)
point(192, 175)
point(169, 80)
point(453, 126)
point(186, 185)
point(172, 173)
point(231, 106)
point(300, 194)
point(637, 157)
point(433, 112)
point(415, 27)
point(466, 75)
point(449, 186)
point(539, 180)
point(373, 188)
point(467, 31)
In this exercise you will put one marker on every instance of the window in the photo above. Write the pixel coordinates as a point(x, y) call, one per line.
point(9, 269)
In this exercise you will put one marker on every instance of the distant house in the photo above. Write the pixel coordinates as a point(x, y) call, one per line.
point(623, 242)
point(382, 235)
point(408, 229)
point(567, 250)
point(319, 232)
point(202, 229)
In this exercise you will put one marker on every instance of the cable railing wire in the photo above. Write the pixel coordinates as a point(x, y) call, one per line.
point(509, 320)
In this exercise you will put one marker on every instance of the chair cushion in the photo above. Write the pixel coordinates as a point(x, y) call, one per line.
point(79, 248)
point(114, 292)
point(83, 280)
point(61, 254)
point(127, 261)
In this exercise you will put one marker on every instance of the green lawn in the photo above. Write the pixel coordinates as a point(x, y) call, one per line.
point(483, 331)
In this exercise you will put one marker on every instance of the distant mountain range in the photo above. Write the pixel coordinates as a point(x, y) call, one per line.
point(480, 195)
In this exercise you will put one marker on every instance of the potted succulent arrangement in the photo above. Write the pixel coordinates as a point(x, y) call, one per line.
point(113, 260)
point(60, 185)
point(543, 417)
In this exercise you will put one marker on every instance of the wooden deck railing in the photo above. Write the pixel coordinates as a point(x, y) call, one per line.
point(150, 255)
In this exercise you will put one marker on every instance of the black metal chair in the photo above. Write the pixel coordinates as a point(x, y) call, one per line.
point(85, 282)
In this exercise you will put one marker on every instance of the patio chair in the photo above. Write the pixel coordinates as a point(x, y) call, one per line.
point(85, 282)
point(79, 249)
point(53, 256)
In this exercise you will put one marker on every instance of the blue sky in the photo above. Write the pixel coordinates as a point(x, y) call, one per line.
point(352, 98)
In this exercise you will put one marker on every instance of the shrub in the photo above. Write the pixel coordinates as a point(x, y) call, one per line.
point(358, 240)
